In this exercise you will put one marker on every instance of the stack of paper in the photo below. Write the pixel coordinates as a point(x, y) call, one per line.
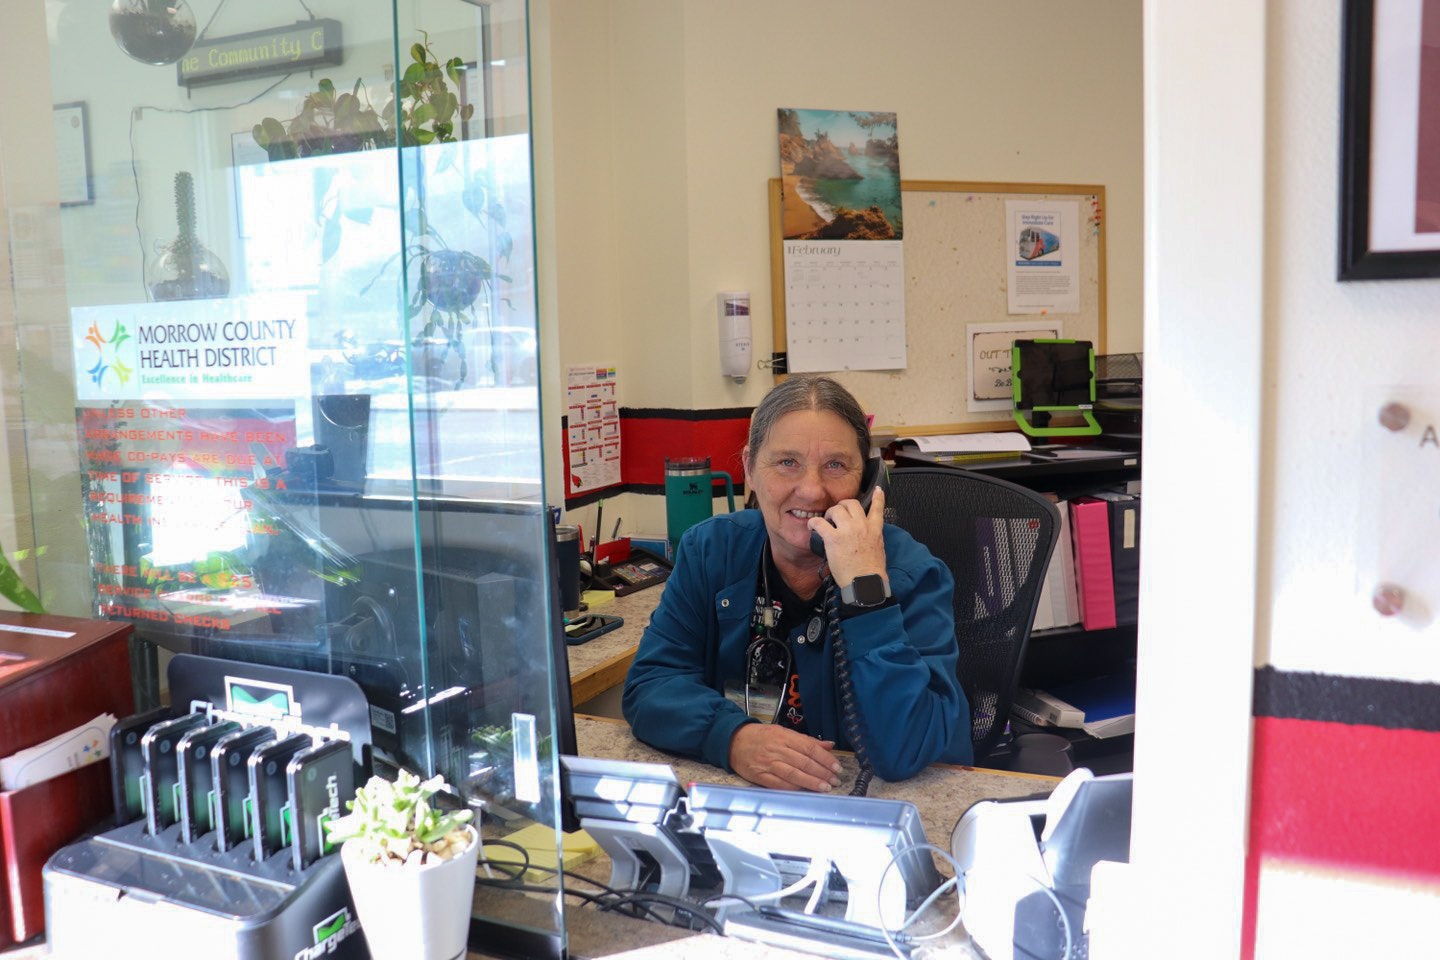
point(1106, 704)
point(1007, 442)
point(85, 744)
point(1059, 606)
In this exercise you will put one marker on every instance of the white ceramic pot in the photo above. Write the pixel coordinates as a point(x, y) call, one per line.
point(414, 914)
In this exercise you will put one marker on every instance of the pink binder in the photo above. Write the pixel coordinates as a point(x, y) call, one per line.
point(1094, 581)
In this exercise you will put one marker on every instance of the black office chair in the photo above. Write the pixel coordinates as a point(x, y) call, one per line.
point(996, 537)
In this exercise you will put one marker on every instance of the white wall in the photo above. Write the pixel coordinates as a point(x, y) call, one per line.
point(1335, 352)
point(1204, 125)
point(1337, 349)
point(665, 136)
point(1266, 369)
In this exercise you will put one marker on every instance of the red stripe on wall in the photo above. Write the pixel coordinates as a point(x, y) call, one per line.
point(648, 441)
point(1346, 795)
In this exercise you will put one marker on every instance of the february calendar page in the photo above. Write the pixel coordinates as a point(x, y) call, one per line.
point(844, 225)
point(844, 305)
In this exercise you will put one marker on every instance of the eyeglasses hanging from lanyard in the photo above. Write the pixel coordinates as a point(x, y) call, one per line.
point(768, 660)
point(767, 672)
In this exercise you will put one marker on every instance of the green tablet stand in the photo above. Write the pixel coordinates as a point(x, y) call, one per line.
point(1053, 376)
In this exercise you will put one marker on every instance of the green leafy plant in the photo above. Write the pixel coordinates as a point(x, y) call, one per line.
point(326, 124)
point(330, 123)
point(13, 588)
point(445, 283)
point(396, 822)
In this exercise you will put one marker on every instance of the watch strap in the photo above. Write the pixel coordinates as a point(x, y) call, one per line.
point(869, 590)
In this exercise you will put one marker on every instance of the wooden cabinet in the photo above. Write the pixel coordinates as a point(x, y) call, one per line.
point(56, 674)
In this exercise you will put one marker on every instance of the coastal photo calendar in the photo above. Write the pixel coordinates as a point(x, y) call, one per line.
point(843, 252)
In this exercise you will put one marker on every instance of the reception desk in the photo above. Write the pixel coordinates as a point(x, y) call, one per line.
point(941, 792)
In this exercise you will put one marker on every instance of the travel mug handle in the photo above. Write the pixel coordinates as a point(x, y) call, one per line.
point(729, 487)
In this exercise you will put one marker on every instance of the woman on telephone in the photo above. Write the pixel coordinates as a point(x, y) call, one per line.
point(739, 664)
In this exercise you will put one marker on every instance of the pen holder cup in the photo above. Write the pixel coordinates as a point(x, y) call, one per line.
point(689, 496)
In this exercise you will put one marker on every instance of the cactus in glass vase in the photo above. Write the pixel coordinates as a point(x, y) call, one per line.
point(185, 268)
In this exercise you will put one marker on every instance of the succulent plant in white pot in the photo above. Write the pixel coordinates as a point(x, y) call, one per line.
point(410, 867)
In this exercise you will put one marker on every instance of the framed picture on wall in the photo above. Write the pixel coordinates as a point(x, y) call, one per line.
point(1390, 140)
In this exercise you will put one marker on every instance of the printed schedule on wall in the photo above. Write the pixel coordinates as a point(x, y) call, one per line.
point(845, 305)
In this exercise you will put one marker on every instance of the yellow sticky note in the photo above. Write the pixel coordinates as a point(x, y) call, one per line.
point(598, 598)
point(538, 841)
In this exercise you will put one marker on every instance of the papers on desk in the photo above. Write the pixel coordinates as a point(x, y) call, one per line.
point(1009, 442)
point(86, 744)
point(1101, 706)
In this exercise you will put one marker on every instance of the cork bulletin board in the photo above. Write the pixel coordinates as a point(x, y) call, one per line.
point(955, 275)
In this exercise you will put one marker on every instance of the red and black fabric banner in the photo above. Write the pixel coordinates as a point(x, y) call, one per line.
point(650, 434)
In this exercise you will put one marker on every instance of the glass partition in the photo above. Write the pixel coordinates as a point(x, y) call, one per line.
point(278, 365)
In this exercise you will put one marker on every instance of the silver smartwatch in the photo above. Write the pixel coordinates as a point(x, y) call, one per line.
point(869, 590)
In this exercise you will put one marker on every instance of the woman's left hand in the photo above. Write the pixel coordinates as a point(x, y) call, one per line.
point(855, 544)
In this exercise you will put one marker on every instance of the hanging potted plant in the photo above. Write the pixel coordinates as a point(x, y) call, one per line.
point(450, 287)
point(156, 32)
point(450, 290)
point(410, 867)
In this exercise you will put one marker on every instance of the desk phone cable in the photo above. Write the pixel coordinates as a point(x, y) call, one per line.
point(845, 683)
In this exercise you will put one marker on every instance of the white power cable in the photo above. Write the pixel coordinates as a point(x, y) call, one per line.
point(925, 904)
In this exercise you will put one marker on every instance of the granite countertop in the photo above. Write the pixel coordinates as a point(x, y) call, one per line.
point(601, 664)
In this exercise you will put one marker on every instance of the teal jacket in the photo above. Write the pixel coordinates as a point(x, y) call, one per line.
point(902, 656)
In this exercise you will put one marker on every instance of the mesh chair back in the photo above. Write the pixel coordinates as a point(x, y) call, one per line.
point(996, 537)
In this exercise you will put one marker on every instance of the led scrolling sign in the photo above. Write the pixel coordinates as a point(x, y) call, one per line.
point(304, 44)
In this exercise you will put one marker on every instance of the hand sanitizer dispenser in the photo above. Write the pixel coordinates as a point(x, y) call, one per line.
point(733, 313)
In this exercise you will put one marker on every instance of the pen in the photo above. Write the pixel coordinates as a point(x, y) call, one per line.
point(616, 532)
point(599, 513)
point(972, 457)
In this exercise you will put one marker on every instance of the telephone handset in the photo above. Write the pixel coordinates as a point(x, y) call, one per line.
point(872, 477)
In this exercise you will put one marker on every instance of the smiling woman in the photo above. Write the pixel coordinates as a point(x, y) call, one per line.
point(746, 664)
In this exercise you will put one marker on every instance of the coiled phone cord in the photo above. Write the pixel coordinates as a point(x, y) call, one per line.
point(849, 706)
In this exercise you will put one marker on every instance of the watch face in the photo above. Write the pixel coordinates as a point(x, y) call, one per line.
point(869, 590)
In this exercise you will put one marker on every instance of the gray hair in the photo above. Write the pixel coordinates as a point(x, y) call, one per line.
point(798, 392)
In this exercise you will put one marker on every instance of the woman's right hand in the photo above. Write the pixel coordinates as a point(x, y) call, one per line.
point(784, 759)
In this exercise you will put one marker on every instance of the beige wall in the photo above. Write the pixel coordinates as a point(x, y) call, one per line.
point(665, 135)
point(27, 188)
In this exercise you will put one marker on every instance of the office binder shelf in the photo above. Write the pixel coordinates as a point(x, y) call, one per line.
point(1057, 655)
